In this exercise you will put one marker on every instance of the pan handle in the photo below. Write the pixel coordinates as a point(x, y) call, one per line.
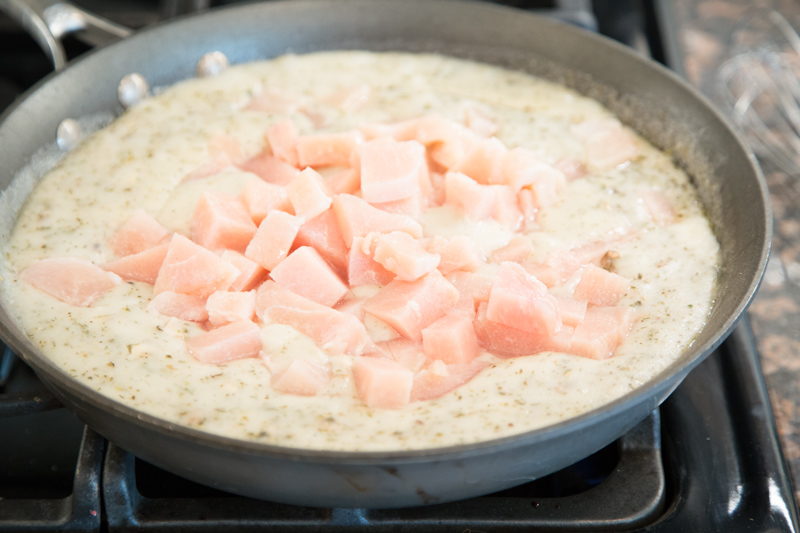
point(47, 21)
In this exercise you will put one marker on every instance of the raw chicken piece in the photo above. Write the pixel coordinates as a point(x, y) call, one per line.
point(251, 274)
point(333, 331)
point(142, 266)
point(390, 170)
point(473, 288)
point(519, 300)
point(506, 341)
point(306, 273)
point(602, 331)
point(322, 233)
point(282, 138)
point(184, 306)
point(382, 383)
point(606, 142)
point(225, 307)
point(302, 377)
point(71, 280)
point(451, 339)
point(412, 206)
point(223, 144)
point(270, 169)
point(137, 234)
point(221, 221)
point(522, 168)
point(457, 253)
point(347, 180)
point(307, 192)
point(411, 306)
point(362, 269)
point(658, 205)
point(571, 168)
point(517, 250)
point(273, 239)
point(276, 101)
point(483, 161)
point(236, 340)
point(191, 269)
point(215, 165)
point(439, 379)
point(600, 287)
point(327, 149)
point(480, 119)
point(478, 201)
point(351, 99)
point(573, 312)
point(404, 256)
point(506, 207)
point(357, 218)
point(261, 197)
point(407, 353)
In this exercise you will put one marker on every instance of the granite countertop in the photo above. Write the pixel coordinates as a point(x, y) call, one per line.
point(704, 28)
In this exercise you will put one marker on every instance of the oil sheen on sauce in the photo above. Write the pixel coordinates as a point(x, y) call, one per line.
point(139, 358)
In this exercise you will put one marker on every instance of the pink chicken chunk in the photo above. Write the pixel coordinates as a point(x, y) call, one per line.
point(225, 307)
point(282, 138)
point(451, 339)
point(357, 218)
point(306, 273)
point(437, 380)
point(390, 170)
point(139, 233)
point(184, 306)
point(74, 281)
point(141, 266)
point(411, 306)
point(273, 240)
point(519, 300)
point(322, 233)
point(362, 269)
point(383, 383)
point(221, 222)
point(334, 331)
point(237, 340)
point(189, 268)
point(302, 377)
point(404, 256)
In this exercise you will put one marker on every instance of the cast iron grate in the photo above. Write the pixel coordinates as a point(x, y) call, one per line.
point(140, 497)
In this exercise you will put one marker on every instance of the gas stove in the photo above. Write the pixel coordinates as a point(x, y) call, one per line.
point(707, 460)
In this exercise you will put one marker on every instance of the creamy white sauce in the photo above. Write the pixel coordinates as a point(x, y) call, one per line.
point(140, 358)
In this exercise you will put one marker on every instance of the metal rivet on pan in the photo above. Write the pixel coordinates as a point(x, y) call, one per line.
point(212, 64)
point(69, 134)
point(132, 89)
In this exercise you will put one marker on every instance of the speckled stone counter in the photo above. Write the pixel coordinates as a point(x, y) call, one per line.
point(704, 28)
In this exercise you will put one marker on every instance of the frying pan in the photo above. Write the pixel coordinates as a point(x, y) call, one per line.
point(647, 97)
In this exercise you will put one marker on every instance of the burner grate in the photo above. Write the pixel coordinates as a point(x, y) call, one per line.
point(79, 511)
point(624, 499)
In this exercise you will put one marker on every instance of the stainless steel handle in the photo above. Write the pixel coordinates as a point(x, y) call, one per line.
point(47, 21)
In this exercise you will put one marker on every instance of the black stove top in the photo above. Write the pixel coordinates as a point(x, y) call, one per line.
point(707, 460)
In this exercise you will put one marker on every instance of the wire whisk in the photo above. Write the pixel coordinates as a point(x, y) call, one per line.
point(759, 87)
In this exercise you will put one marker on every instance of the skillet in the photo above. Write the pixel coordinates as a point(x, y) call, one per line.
point(647, 97)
